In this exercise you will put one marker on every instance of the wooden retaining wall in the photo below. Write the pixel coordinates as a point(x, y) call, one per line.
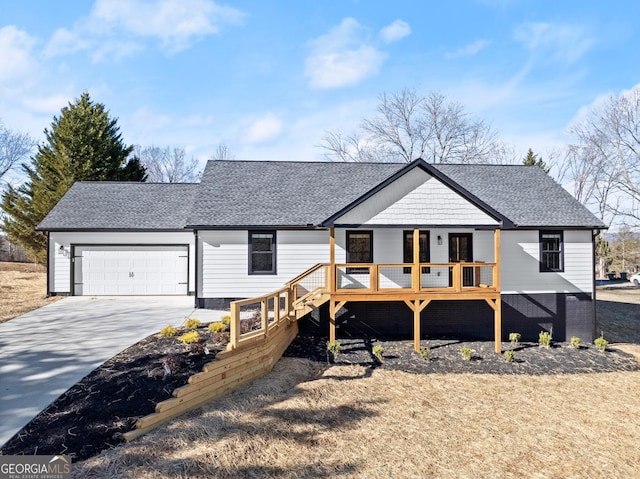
point(253, 358)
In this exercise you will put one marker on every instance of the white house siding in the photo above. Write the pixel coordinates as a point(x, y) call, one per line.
point(416, 198)
point(225, 261)
point(60, 260)
point(520, 260)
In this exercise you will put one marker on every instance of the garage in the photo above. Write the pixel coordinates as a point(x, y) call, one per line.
point(130, 270)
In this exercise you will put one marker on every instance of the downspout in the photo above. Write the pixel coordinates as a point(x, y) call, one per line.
point(197, 268)
point(594, 234)
point(48, 266)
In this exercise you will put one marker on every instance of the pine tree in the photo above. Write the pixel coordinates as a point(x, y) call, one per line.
point(532, 160)
point(83, 143)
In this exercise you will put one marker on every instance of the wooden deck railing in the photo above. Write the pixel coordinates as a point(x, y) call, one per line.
point(254, 318)
point(440, 277)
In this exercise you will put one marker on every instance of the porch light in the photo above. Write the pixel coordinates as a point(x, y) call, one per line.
point(439, 239)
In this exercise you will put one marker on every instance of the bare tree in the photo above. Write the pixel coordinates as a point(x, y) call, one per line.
point(167, 165)
point(604, 162)
point(407, 126)
point(222, 153)
point(13, 148)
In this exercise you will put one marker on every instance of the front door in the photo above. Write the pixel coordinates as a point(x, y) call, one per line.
point(461, 251)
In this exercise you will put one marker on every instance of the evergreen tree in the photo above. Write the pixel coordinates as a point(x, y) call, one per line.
point(532, 160)
point(84, 143)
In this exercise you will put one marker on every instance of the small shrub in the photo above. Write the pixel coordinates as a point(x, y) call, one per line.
point(509, 356)
point(601, 343)
point(221, 338)
point(544, 339)
point(425, 353)
point(575, 342)
point(252, 323)
point(226, 319)
point(192, 323)
point(190, 337)
point(514, 338)
point(168, 331)
point(198, 347)
point(217, 327)
point(466, 353)
point(171, 364)
point(378, 351)
point(334, 347)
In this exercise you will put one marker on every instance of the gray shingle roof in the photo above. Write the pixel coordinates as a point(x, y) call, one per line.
point(283, 193)
point(122, 205)
point(238, 194)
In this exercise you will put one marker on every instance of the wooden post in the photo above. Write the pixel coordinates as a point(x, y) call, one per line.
point(235, 326)
point(332, 321)
point(415, 271)
point(497, 324)
point(417, 306)
point(264, 307)
point(416, 327)
point(332, 260)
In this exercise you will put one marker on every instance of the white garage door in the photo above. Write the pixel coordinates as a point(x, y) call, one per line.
point(131, 270)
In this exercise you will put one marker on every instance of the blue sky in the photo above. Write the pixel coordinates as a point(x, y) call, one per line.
point(269, 78)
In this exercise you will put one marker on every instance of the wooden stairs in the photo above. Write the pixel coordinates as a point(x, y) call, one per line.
point(248, 355)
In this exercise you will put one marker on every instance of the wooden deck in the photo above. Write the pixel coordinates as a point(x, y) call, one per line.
point(416, 284)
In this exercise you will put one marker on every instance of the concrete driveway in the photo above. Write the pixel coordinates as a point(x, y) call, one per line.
point(45, 352)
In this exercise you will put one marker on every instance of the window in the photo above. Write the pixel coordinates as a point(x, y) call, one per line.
point(359, 246)
point(262, 252)
point(551, 251)
point(407, 250)
point(359, 250)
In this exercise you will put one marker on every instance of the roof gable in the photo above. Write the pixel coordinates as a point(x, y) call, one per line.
point(417, 194)
point(416, 198)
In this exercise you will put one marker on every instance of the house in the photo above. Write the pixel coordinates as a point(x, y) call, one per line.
point(464, 250)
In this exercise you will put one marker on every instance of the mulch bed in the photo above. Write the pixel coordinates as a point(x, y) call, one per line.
point(445, 356)
point(92, 415)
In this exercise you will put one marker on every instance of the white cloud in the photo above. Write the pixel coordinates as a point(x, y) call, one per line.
point(469, 50)
point(119, 27)
point(562, 42)
point(264, 129)
point(16, 61)
point(342, 57)
point(50, 104)
point(396, 31)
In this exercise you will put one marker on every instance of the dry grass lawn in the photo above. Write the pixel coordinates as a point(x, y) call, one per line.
point(23, 287)
point(299, 422)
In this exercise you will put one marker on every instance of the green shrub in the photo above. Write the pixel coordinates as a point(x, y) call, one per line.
point(168, 331)
point(544, 339)
point(334, 347)
point(378, 351)
point(217, 327)
point(514, 338)
point(466, 353)
point(425, 353)
point(509, 356)
point(190, 337)
point(192, 323)
point(601, 343)
point(226, 319)
point(575, 342)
